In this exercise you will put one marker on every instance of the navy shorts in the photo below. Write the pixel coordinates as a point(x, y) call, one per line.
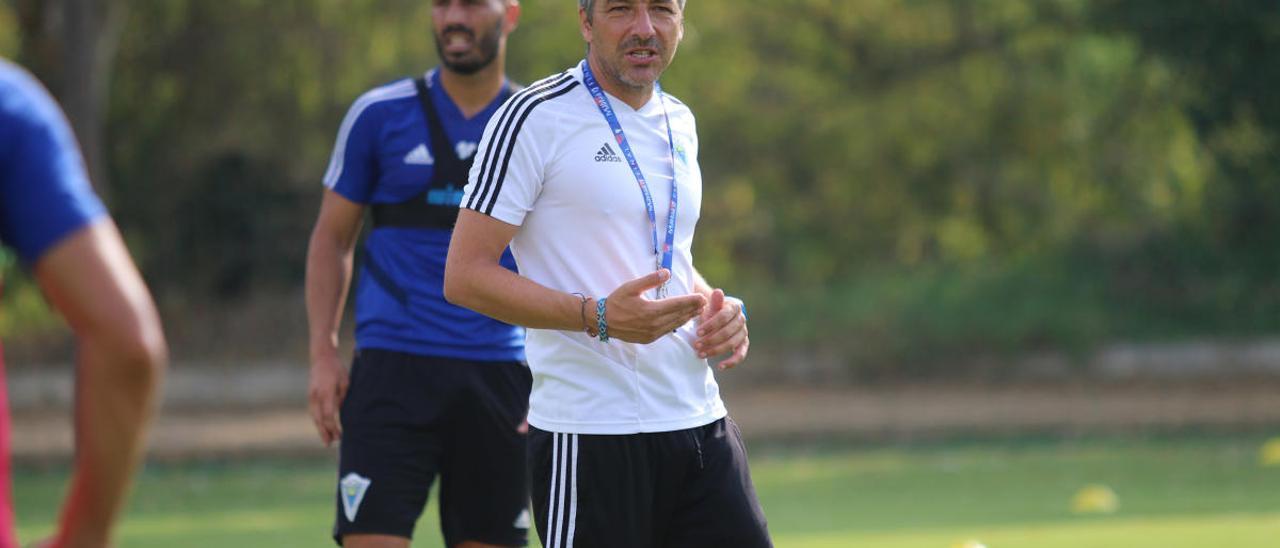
point(408, 418)
point(682, 489)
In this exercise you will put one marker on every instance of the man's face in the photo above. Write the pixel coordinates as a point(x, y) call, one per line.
point(469, 33)
point(633, 40)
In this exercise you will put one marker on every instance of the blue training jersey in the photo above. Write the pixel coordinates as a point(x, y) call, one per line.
point(44, 191)
point(383, 155)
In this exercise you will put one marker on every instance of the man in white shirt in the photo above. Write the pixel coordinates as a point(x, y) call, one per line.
point(592, 178)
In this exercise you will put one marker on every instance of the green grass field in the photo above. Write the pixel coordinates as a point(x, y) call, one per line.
point(1187, 491)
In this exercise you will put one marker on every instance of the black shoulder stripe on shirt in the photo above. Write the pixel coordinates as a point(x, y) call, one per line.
point(511, 142)
point(520, 100)
point(515, 104)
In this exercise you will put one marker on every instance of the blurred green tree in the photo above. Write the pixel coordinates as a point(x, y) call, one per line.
point(887, 182)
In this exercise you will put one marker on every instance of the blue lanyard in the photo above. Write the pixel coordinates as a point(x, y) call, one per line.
point(662, 257)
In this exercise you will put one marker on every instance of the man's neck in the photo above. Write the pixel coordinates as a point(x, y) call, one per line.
point(635, 97)
point(473, 92)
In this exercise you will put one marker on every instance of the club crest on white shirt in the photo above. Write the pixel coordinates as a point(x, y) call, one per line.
point(682, 153)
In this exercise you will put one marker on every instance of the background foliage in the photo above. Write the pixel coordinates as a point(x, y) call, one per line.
point(890, 183)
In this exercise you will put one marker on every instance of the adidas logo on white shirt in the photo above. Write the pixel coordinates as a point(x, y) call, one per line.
point(419, 156)
point(606, 154)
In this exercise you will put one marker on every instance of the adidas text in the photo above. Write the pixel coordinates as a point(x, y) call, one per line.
point(606, 154)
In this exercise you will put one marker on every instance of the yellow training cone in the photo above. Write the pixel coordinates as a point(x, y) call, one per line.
point(1270, 454)
point(1095, 499)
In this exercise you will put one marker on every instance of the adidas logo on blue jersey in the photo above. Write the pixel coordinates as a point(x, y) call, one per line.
point(419, 156)
point(606, 154)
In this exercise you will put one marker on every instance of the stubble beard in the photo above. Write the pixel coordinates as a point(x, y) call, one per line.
point(486, 46)
point(615, 68)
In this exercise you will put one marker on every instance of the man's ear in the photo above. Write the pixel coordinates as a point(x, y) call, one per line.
point(513, 15)
point(584, 24)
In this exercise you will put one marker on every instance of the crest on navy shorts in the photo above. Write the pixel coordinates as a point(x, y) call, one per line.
point(522, 520)
point(351, 489)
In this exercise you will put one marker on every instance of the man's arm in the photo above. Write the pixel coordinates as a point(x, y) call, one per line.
point(329, 263)
point(722, 328)
point(122, 354)
point(475, 279)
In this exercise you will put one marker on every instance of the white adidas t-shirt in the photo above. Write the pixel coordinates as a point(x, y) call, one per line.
point(549, 164)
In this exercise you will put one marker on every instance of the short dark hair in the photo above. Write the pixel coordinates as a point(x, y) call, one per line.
point(589, 5)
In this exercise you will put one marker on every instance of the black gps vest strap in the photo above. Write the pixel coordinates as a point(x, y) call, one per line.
point(435, 207)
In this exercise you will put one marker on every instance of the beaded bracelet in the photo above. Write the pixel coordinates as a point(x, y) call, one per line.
point(601, 324)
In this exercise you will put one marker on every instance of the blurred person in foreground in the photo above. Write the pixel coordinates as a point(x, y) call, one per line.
point(434, 389)
point(591, 177)
point(59, 229)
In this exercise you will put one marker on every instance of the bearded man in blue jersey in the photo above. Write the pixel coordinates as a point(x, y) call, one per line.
point(434, 389)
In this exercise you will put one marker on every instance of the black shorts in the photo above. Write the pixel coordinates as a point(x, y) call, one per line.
point(407, 418)
point(687, 488)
